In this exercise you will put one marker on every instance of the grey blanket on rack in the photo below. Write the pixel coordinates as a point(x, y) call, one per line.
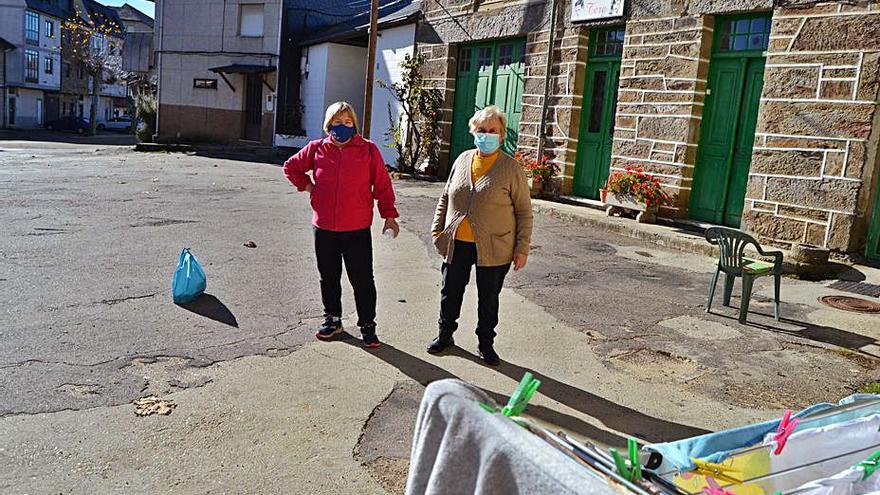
point(459, 448)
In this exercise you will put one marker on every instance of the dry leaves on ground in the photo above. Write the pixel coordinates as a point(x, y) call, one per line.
point(153, 405)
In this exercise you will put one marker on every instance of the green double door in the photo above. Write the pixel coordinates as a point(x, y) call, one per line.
point(596, 131)
point(489, 73)
point(730, 114)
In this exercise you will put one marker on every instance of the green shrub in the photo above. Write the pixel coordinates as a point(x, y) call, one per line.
point(146, 106)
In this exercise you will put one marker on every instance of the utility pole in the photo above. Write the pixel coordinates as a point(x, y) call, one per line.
point(371, 69)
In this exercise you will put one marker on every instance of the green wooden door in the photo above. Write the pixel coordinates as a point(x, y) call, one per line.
point(872, 249)
point(745, 140)
point(596, 131)
point(730, 114)
point(508, 88)
point(488, 74)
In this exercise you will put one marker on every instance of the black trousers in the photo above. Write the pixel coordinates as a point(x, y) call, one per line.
point(456, 276)
point(356, 250)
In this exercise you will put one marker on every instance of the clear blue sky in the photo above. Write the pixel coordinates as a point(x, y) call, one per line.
point(142, 5)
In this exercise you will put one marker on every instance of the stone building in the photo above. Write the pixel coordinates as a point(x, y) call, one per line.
point(754, 113)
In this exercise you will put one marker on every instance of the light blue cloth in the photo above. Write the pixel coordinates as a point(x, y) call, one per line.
point(715, 447)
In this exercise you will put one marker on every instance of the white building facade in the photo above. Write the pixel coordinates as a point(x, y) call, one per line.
point(32, 69)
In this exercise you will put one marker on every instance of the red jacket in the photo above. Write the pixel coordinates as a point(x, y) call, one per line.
point(347, 181)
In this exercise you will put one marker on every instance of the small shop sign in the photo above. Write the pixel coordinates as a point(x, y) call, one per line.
point(587, 10)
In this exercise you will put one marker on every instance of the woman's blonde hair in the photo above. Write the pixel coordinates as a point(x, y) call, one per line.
point(335, 110)
point(485, 115)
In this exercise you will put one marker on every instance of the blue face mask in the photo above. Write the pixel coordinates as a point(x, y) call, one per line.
point(487, 143)
point(342, 132)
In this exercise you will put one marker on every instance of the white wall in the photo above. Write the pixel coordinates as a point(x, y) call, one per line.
point(178, 72)
point(212, 26)
point(335, 73)
point(313, 90)
point(105, 108)
point(393, 45)
point(12, 30)
point(26, 108)
point(346, 67)
point(50, 48)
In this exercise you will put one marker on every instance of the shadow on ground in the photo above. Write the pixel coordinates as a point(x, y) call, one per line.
point(610, 414)
point(211, 307)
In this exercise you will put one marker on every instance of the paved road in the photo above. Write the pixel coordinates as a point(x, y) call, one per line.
point(91, 234)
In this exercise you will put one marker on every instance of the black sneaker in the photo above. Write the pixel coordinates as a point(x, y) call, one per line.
point(368, 333)
point(488, 355)
point(331, 327)
point(441, 343)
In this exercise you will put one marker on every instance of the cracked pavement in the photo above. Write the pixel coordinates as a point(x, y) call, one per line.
point(614, 328)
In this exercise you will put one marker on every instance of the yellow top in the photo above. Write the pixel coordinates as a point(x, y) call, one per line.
point(479, 168)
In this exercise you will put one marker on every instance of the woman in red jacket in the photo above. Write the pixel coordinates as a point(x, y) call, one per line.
point(348, 176)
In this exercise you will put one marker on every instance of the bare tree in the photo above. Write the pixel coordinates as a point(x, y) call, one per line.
point(92, 42)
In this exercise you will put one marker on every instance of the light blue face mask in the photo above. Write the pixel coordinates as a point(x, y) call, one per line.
point(487, 143)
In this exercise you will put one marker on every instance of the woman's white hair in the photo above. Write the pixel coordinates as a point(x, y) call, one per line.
point(484, 115)
point(335, 110)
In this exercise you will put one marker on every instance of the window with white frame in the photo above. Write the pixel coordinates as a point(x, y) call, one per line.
point(50, 29)
point(250, 21)
point(32, 28)
point(50, 65)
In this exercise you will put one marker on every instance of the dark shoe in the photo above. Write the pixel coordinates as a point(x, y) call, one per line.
point(441, 343)
point(371, 341)
point(331, 327)
point(488, 355)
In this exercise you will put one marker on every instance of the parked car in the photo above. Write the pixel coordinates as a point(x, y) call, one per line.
point(116, 124)
point(68, 123)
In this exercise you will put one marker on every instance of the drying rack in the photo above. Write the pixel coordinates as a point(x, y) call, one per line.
point(787, 481)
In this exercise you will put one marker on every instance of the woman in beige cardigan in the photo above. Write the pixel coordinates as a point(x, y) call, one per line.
point(483, 218)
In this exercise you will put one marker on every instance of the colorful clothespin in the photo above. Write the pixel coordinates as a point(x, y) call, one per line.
point(714, 489)
point(785, 429)
point(869, 465)
point(632, 472)
point(717, 471)
point(521, 396)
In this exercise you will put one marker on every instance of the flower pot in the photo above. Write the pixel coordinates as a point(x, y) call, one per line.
point(619, 204)
point(536, 187)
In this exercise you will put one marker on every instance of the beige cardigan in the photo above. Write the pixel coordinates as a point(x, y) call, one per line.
point(498, 206)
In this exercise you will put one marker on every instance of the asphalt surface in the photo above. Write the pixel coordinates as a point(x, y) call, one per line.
point(91, 233)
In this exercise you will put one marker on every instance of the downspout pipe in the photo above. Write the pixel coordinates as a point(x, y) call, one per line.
point(160, 6)
point(542, 132)
point(5, 92)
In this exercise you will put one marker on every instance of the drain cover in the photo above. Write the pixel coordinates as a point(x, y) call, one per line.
point(853, 304)
point(857, 288)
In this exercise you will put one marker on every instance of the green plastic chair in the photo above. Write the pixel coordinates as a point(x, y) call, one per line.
point(731, 245)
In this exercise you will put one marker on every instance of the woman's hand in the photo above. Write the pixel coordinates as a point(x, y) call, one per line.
point(519, 261)
point(392, 225)
point(310, 188)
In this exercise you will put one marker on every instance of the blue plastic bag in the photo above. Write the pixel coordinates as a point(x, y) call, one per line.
point(189, 280)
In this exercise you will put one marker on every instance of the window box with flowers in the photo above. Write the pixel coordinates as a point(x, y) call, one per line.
point(634, 190)
point(540, 172)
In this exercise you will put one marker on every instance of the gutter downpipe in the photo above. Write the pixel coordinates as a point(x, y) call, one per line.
point(5, 92)
point(542, 134)
point(275, 108)
point(160, 4)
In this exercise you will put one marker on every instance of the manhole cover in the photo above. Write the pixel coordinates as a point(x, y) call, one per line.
point(853, 304)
